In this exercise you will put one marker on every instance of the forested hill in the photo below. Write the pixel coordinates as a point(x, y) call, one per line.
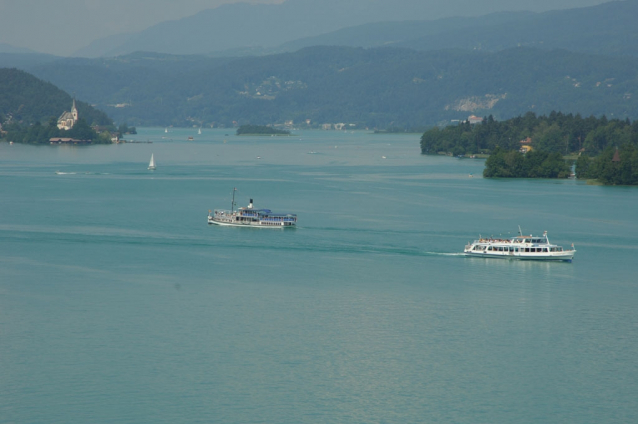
point(26, 99)
point(381, 87)
point(608, 28)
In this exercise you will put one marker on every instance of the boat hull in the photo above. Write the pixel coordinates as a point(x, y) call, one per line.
point(255, 224)
point(565, 256)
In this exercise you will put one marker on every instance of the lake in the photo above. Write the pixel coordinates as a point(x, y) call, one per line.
point(118, 303)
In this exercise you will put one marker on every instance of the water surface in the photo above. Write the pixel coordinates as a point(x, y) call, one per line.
point(119, 303)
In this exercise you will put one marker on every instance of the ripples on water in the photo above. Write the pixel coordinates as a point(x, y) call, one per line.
point(119, 303)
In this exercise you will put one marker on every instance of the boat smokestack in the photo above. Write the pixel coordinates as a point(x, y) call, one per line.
point(250, 205)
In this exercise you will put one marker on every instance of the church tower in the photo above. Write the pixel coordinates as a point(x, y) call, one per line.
point(68, 119)
point(74, 112)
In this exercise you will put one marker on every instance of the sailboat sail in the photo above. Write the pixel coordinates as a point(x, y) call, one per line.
point(151, 164)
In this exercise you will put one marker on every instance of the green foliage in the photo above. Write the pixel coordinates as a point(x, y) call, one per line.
point(125, 129)
point(27, 100)
point(535, 164)
point(556, 132)
point(40, 134)
point(606, 170)
point(260, 130)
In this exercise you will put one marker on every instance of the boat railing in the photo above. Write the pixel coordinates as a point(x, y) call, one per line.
point(492, 240)
point(224, 212)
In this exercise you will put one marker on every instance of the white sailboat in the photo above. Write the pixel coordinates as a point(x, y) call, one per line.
point(151, 164)
point(199, 131)
point(166, 130)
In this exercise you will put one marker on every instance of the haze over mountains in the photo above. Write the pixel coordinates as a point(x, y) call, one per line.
point(242, 25)
point(608, 28)
point(410, 74)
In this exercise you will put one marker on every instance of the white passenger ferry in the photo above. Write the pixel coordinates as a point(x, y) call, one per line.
point(250, 217)
point(520, 247)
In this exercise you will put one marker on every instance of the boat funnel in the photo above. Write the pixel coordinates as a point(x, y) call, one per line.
point(250, 205)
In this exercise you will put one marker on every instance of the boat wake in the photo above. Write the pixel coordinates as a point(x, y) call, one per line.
point(81, 173)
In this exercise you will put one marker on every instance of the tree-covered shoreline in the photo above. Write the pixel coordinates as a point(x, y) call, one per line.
point(593, 140)
point(534, 164)
point(556, 132)
point(612, 167)
point(42, 134)
point(260, 130)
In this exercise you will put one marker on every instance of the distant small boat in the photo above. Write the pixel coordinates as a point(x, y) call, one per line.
point(312, 152)
point(383, 157)
point(166, 130)
point(199, 131)
point(190, 138)
point(151, 164)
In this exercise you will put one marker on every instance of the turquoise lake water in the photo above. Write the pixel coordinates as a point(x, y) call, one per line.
point(118, 303)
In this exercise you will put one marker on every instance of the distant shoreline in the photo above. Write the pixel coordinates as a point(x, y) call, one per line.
point(265, 135)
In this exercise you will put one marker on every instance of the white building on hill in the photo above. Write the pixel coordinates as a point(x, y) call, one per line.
point(68, 119)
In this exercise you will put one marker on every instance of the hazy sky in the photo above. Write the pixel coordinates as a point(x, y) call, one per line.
point(63, 26)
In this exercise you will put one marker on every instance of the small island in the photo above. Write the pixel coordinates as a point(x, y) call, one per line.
point(260, 130)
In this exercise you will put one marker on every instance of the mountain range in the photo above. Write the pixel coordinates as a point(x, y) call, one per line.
point(405, 74)
point(377, 87)
point(609, 28)
point(268, 26)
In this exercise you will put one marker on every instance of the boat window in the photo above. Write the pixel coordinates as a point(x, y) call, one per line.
point(545, 250)
point(516, 249)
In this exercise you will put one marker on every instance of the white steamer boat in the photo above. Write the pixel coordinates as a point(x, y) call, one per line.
point(250, 217)
point(520, 247)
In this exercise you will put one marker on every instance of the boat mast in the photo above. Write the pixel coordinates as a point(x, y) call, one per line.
point(232, 205)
